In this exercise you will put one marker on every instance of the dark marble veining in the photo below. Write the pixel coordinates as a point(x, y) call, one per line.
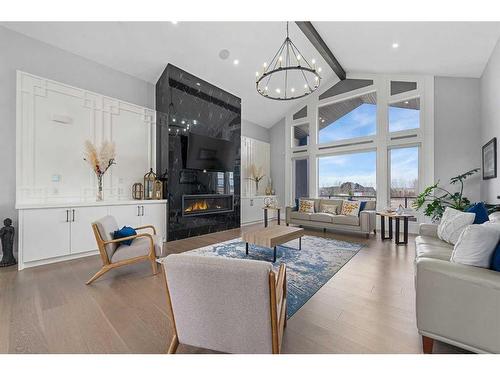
point(186, 104)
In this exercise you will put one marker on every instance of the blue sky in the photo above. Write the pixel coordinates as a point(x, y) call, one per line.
point(403, 119)
point(360, 122)
point(361, 167)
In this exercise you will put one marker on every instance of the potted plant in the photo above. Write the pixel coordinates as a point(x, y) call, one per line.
point(436, 198)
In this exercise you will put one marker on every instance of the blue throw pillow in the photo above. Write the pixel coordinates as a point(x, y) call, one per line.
point(495, 259)
point(362, 206)
point(125, 232)
point(296, 204)
point(481, 213)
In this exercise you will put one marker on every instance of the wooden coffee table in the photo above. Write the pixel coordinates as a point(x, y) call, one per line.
point(271, 237)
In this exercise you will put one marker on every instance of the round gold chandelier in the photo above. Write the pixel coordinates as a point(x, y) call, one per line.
point(289, 75)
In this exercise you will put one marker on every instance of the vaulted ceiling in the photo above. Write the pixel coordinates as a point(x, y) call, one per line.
point(142, 49)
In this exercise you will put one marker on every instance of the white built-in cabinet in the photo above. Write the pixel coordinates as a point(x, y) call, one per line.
point(252, 212)
point(56, 189)
point(51, 234)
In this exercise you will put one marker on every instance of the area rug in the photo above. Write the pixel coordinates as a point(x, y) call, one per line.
point(307, 269)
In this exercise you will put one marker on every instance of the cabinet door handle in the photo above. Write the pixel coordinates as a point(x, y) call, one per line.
point(142, 210)
point(67, 216)
point(73, 215)
point(138, 210)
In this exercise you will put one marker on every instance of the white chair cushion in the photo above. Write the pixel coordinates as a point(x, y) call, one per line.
point(139, 247)
point(476, 245)
point(453, 223)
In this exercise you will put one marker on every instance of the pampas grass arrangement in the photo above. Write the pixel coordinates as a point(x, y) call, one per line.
point(100, 159)
point(256, 175)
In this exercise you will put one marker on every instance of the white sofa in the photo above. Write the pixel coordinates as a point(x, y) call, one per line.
point(364, 223)
point(455, 303)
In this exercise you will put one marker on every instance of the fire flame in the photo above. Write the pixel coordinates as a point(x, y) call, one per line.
point(197, 206)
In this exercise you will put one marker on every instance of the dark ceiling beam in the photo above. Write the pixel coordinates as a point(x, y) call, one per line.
point(312, 34)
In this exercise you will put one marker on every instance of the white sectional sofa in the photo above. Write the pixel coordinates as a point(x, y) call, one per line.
point(455, 303)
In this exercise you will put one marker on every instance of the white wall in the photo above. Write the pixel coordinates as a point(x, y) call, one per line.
point(32, 56)
point(490, 117)
point(277, 140)
point(457, 145)
point(252, 130)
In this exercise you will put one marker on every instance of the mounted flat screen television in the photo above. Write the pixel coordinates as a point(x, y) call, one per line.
point(210, 154)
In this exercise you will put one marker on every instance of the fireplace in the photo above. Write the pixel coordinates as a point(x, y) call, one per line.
point(205, 204)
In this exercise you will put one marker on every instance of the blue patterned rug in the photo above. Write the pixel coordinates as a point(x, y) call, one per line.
point(307, 269)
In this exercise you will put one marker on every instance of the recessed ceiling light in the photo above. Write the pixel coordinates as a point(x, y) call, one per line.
point(395, 45)
point(174, 22)
point(194, 122)
point(198, 84)
point(224, 54)
point(183, 122)
point(406, 102)
point(236, 62)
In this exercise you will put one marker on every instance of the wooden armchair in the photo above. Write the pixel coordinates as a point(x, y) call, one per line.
point(145, 247)
point(233, 305)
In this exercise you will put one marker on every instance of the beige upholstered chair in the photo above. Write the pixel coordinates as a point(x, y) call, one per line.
point(145, 246)
point(225, 304)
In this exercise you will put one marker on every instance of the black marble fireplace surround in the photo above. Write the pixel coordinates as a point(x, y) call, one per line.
point(199, 201)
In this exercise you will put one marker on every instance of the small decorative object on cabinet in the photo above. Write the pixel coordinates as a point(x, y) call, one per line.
point(268, 201)
point(158, 190)
point(149, 184)
point(138, 191)
point(7, 237)
point(100, 160)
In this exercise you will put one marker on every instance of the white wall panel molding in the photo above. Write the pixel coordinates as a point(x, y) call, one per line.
point(50, 164)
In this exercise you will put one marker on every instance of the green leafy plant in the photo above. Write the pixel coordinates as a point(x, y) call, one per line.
point(435, 198)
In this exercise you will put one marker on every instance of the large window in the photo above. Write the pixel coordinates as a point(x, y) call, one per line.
point(404, 176)
point(351, 118)
point(347, 175)
point(301, 176)
point(404, 115)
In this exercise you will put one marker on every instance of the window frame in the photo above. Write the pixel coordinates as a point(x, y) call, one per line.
point(399, 99)
point(341, 98)
point(389, 167)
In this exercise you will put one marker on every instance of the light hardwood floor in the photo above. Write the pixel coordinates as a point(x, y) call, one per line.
point(367, 307)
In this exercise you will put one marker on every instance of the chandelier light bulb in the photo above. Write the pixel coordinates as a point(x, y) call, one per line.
point(292, 89)
point(278, 91)
point(194, 122)
point(173, 119)
point(313, 61)
point(264, 65)
point(319, 69)
point(305, 86)
point(256, 74)
point(266, 88)
point(299, 57)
